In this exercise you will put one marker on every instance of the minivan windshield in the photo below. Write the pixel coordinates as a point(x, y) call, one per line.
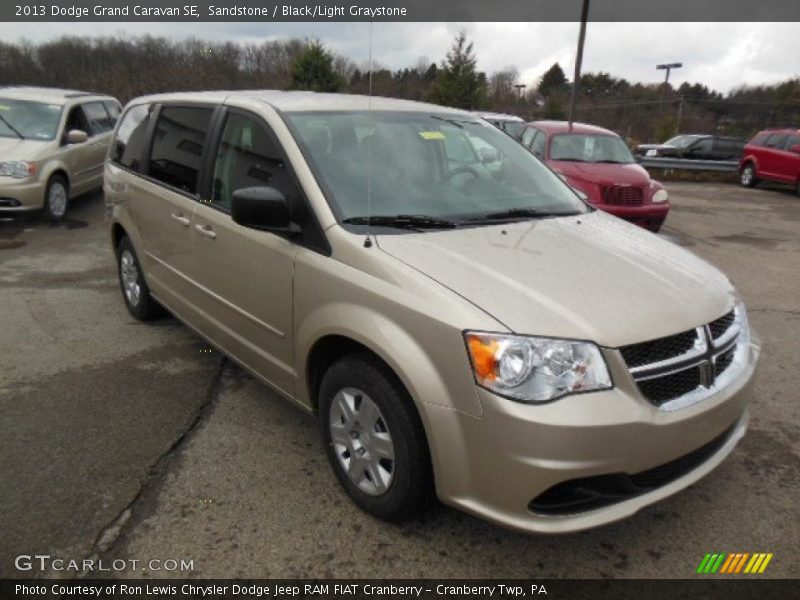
point(29, 120)
point(439, 169)
point(593, 148)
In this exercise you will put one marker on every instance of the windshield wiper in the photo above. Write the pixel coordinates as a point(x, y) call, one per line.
point(459, 124)
point(11, 127)
point(613, 162)
point(515, 214)
point(401, 221)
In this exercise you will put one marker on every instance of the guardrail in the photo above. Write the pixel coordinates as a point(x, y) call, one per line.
point(689, 164)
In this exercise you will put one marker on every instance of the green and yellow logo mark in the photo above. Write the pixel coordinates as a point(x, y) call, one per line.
point(735, 562)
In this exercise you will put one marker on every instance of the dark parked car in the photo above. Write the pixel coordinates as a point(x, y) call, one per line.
point(700, 147)
point(773, 154)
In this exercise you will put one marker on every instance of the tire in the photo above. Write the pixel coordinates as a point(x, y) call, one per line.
point(133, 286)
point(56, 199)
point(747, 176)
point(797, 187)
point(392, 479)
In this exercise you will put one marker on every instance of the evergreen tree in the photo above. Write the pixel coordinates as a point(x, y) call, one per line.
point(313, 70)
point(554, 82)
point(458, 83)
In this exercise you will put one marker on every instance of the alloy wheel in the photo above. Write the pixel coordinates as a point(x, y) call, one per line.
point(129, 273)
point(362, 441)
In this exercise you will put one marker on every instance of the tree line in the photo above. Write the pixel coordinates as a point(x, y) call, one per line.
point(131, 66)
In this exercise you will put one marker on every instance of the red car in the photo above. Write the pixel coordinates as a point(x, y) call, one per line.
point(597, 162)
point(773, 154)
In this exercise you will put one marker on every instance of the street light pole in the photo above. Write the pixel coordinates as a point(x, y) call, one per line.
point(578, 60)
point(667, 67)
point(520, 87)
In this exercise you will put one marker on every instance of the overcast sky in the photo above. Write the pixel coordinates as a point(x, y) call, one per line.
point(721, 55)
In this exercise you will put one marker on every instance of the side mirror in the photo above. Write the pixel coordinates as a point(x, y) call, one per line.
point(795, 148)
point(263, 208)
point(76, 136)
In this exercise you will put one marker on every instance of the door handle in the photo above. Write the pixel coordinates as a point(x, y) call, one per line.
point(206, 231)
point(180, 219)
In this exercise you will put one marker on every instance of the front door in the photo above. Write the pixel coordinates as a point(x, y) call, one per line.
point(245, 276)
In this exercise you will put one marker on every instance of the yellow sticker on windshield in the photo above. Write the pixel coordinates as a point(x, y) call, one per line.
point(431, 135)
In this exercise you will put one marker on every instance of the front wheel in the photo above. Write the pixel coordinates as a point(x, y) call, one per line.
point(747, 176)
point(56, 198)
point(374, 438)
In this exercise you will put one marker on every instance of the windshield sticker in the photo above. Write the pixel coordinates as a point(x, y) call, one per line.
point(4, 107)
point(431, 135)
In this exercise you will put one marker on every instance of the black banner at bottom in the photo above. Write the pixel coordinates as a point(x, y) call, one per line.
point(405, 589)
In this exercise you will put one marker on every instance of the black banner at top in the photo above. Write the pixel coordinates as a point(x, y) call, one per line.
point(399, 10)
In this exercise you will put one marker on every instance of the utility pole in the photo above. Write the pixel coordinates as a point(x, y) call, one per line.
point(578, 60)
point(680, 114)
point(667, 67)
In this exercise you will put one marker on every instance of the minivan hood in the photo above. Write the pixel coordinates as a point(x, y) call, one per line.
point(590, 277)
point(17, 149)
point(630, 174)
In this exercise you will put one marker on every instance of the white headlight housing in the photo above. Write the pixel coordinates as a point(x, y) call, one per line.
point(660, 196)
point(536, 369)
point(19, 169)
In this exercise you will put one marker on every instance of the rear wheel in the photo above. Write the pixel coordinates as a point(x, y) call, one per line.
point(134, 288)
point(56, 198)
point(747, 176)
point(374, 438)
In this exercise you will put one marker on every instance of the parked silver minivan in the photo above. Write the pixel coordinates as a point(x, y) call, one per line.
point(481, 333)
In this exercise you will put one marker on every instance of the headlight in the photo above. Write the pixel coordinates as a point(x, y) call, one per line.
point(660, 196)
point(651, 152)
point(740, 315)
point(19, 169)
point(534, 369)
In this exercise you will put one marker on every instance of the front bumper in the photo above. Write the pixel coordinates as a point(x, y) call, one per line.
point(496, 465)
point(20, 195)
point(649, 216)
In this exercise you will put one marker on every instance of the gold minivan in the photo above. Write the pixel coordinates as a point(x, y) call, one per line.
point(52, 146)
point(459, 321)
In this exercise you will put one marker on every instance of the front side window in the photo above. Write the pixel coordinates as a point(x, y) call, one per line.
point(177, 147)
point(98, 119)
point(29, 120)
point(593, 148)
point(776, 140)
point(247, 157)
point(129, 144)
point(434, 165)
point(794, 140)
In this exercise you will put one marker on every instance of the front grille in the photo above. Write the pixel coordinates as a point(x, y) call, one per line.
point(590, 493)
point(655, 351)
point(625, 195)
point(663, 389)
point(721, 325)
point(724, 361)
point(671, 367)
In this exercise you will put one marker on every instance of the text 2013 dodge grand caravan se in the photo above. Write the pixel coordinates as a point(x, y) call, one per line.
point(458, 322)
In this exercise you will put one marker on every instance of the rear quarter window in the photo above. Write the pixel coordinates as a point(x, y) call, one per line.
point(129, 142)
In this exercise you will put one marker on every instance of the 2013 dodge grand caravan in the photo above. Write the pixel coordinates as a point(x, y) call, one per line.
point(458, 322)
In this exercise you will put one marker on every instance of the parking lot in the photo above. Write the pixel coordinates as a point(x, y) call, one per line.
point(123, 440)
